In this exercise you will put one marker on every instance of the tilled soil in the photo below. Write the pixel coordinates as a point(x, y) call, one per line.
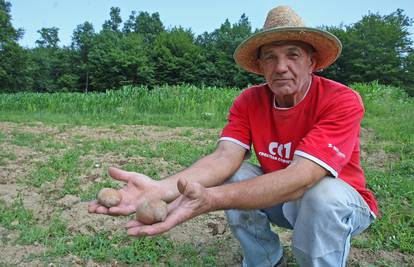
point(47, 200)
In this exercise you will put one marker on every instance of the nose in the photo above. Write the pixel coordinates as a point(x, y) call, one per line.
point(280, 66)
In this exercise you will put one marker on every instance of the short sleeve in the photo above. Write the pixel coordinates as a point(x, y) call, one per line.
point(335, 135)
point(237, 129)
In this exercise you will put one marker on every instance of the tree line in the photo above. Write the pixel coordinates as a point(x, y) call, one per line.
point(142, 51)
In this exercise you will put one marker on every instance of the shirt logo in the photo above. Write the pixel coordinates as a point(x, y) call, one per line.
point(283, 150)
point(279, 152)
point(338, 152)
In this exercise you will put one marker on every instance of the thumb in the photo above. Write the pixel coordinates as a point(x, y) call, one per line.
point(188, 189)
point(119, 174)
point(182, 185)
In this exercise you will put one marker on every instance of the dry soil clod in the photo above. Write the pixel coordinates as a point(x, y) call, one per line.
point(109, 197)
point(150, 212)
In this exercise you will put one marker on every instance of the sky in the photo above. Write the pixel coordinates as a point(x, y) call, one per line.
point(199, 16)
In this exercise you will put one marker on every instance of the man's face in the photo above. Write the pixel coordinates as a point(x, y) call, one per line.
point(286, 67)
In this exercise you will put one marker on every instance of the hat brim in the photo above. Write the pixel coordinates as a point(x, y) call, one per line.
point(327, 46)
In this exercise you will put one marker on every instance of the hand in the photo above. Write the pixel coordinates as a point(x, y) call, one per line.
point(194, 200)
point(138, 187)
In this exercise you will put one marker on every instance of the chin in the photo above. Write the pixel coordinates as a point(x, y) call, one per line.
point(282, 90)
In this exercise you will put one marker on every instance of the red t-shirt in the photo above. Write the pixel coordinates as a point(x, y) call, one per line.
point(324, 127)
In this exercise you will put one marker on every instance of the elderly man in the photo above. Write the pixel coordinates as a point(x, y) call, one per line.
point(305, 133)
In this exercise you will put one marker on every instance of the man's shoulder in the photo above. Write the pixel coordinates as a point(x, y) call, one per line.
point(337, 93)
point(335, 89)
point(330, 85)
point(255, 89)
point(254, 92)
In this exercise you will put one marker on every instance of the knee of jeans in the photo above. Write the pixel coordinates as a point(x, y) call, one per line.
point(246, 171)
point(235, 217)
point(321, 197)
point(243, 217)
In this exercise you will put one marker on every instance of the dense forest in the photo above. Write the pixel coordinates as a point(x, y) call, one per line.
point(142, 51)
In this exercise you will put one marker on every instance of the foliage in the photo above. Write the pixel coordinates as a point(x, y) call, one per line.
point(114, 22)
point(375, 48)
point(7, 33)
point(82, 43)
point(48, 38)
point(176, 57)
point(142, 52)
point(150, 26)
point(118, 61)
point(13, 59)
point(15, 76)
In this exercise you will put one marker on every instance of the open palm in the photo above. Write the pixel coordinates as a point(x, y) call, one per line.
point(194, 200)
point(137, 187)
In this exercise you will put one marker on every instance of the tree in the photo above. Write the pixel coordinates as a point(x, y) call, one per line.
point(82, 41)
point(150, 26)
point(7, 32)
point(13, 58)
point(129, 25)
point(219, 47)
point(409, 73)
point(14, 68)
point(114, 22)
point(374, 48)
point(176, 57)
point(117, 60)
point(48, 37)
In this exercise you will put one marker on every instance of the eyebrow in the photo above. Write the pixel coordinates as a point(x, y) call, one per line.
point(288, 49)
point(294, 49)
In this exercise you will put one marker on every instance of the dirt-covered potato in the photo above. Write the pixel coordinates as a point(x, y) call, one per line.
point(150, 212)
point(109, 197)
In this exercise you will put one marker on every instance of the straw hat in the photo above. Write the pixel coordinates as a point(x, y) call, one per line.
point(283, 24)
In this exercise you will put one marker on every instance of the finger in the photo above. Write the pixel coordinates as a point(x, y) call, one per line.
point(149, 230)
point(119, 174)
point(101, 210)
point(191, 190)
point(124, 210)
point(132, 224)
point(92, 206)
point(173, 205)
point(182, 185)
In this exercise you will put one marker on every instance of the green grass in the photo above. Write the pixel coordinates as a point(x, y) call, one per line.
point(6, 155)
point(181, 152)
point(2, 137)
point(389, 118)
point(99, 247)
point(25, 139)
point(197, 107)
point(57, 166)
point(390, 113)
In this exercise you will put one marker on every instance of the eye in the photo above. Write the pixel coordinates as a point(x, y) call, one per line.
point(268, 58)
point(293, 55)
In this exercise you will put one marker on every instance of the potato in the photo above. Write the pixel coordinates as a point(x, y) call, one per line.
point(109, 197)
point(153, 211)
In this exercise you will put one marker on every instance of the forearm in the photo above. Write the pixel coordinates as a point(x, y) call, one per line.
point(266, 190)
point(210, 170)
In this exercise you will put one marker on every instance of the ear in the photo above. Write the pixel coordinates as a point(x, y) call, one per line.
point(313, 60)
point(260, 64)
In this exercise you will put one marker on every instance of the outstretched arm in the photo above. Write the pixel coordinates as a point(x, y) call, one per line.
point(259, 192)
point(209, 171)
point(269, 189)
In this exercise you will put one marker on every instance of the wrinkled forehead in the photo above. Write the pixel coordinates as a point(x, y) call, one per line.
point(294, 44)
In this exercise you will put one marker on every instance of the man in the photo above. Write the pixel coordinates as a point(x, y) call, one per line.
point(305, 132)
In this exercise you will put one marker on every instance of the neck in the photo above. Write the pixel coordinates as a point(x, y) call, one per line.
point(288, 101)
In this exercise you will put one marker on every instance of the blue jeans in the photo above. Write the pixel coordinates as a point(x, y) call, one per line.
point(323, 222)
